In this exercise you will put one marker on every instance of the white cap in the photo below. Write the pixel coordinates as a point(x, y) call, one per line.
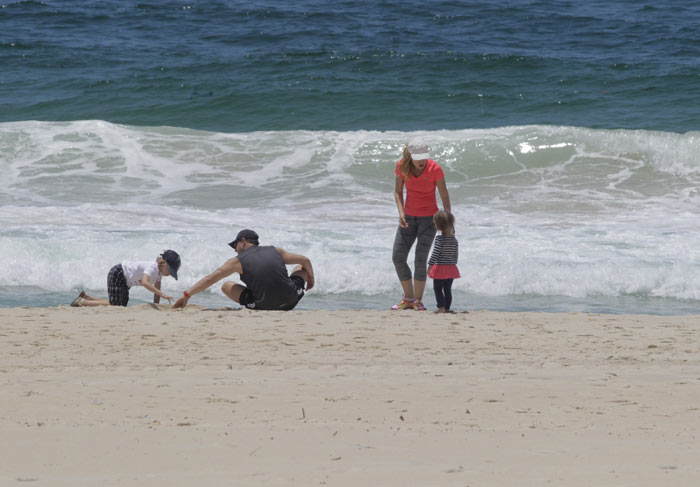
point(419, 151)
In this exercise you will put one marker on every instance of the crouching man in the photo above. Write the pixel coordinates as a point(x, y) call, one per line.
point(264, 272)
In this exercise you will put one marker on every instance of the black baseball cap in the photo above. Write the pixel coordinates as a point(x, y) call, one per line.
point(247, 234)
point(173, 260)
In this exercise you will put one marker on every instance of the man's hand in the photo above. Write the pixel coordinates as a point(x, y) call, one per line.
point(181, 303)
point(309, 280)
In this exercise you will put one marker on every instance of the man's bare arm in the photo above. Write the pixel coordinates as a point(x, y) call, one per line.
point(229, 267)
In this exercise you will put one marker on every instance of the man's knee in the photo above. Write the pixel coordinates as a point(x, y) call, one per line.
point(232, 290)
point(299, 271)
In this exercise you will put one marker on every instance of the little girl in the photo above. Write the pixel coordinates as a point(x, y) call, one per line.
point(128, 274)
point(442, 266)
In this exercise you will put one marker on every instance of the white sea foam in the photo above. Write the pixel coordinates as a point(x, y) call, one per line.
point(542, 211)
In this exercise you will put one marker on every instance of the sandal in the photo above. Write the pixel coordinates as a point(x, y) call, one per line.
point(403, 304)
point(418, 306)
point(77, 302)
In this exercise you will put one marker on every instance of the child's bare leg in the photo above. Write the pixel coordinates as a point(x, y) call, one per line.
point(94, 302)
point(86, 296)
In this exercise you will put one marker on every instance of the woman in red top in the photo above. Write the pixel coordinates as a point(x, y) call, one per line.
point(421, 176)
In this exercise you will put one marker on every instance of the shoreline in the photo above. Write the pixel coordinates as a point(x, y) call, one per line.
point(621, 305)
point(152, 396)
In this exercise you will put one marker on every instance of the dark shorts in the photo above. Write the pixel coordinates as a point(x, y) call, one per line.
point(248, 300)
point(116, 286)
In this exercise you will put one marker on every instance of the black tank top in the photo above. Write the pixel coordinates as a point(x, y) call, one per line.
point(265, 274)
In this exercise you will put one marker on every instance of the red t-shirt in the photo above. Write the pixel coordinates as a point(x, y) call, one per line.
point(420, 191)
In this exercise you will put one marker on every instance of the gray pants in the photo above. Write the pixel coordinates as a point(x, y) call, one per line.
point(421, 228)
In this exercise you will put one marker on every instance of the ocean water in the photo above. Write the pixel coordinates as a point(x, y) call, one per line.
point(237, 66)
point(568, 132)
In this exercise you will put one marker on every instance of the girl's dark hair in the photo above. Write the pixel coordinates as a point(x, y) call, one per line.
point(444, 221)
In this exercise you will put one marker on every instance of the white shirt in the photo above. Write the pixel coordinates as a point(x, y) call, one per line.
point(134, 271)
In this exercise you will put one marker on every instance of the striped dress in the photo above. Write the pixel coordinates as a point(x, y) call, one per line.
point(444, 258)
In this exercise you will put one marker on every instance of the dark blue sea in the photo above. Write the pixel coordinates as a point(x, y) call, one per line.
point(233, 66)
point(568, 132)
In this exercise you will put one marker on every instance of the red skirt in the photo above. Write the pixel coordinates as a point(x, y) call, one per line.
point(444, 272)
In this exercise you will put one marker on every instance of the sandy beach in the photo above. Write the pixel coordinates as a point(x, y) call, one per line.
point(151, 396)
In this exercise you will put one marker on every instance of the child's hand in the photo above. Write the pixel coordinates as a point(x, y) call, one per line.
point(169, 298)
